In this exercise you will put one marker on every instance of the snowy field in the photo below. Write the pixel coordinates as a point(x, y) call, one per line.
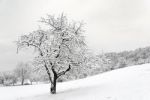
point(131, 83)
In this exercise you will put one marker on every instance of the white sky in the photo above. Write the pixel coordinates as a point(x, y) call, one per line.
point(111, 25)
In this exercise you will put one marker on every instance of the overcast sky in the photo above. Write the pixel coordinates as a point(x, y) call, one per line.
point(111, 25)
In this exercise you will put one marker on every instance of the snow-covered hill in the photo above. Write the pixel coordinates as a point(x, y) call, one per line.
point(130, 83)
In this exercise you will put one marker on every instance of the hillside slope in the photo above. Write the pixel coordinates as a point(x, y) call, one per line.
point(130, 83)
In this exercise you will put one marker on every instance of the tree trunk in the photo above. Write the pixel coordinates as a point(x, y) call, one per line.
point(53, 85)
point(31, 82)
point(3, 81)
point(22, 81)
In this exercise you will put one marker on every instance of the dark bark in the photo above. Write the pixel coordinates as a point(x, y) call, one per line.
point(53, 82)
point(53, 86)
point(48, 72)
point(22, 81)
point(55, 77)
point(64, 72)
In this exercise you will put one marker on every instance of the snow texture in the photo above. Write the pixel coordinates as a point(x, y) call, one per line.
point(130, 83)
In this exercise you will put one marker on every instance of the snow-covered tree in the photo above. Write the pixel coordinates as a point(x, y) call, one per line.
point(59, 46)
point(9, 78)
point(22, 71)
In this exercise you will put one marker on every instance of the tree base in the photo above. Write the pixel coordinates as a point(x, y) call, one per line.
point(53, 91)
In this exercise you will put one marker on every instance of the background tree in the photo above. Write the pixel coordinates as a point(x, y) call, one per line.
point(13, 77)
point(23, 71)
point(36, 77)
point(58, 46)
point(9, 78)
point(1, 78)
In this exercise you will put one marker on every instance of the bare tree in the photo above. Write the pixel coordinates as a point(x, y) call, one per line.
point(58, 46)
point(13, 77)
point(22, 71)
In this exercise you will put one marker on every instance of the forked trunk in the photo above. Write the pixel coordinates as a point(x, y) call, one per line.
point(53, 86)
point(54, 79)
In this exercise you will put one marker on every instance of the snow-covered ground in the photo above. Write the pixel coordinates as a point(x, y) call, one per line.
point(130, 83)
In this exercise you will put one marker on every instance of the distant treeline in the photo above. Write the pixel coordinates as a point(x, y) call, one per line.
point(129, 58)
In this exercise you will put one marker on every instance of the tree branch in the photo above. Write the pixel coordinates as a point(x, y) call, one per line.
point(64, 72)
point(49, 21)
point(79, 28)
point(28, 44)
point(47, 70)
